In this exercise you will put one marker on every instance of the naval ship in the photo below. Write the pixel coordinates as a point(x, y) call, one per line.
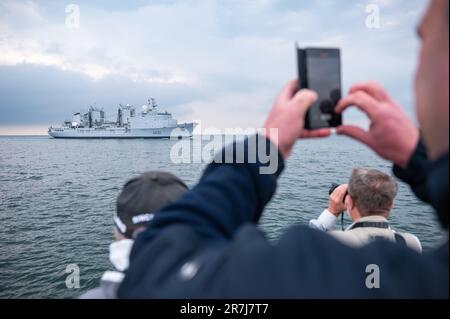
point(149, 123)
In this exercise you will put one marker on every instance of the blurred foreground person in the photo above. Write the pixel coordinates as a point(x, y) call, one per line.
point(207, 244)
point(368, 198)
point(136, 204)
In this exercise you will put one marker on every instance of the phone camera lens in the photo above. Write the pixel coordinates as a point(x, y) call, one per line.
point(326, 106)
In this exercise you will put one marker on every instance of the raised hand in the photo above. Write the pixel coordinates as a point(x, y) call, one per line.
point(392, 135)
point(288, 116)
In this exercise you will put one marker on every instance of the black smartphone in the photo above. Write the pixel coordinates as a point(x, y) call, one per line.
point(319, 69)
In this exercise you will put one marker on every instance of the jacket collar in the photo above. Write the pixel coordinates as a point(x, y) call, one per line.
point(370, 219)
point(119, 253)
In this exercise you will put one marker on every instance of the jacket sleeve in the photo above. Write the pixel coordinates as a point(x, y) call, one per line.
point(415, 175)
point(324, 222)
point(226, 196)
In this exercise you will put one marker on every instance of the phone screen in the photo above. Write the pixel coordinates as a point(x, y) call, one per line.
point(324, 76)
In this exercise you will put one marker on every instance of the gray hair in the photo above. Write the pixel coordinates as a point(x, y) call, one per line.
point(372, 191)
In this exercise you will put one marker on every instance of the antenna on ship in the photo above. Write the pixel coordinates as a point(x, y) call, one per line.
point(152, 102)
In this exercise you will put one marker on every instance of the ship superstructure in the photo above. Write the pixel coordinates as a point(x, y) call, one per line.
point(150, 122)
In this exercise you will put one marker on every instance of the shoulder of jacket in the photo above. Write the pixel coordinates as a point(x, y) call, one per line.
point(412, 241)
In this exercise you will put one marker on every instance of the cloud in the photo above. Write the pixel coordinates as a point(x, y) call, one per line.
point(220, 62)
point(32, 94)
point(89, 50)
point(237, 110)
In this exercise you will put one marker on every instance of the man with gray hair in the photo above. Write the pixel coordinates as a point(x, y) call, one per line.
point(368, 198)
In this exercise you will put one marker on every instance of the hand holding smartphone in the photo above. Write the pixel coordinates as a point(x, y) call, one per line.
point(320, 70)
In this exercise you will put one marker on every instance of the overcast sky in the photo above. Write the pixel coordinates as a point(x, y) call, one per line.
point(221, 62)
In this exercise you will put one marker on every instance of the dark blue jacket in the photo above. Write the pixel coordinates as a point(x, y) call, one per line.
point(207, 245)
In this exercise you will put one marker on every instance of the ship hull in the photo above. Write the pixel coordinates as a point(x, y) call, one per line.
point(182, 130)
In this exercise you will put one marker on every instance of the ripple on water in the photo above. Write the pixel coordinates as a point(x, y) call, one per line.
point(36, 177)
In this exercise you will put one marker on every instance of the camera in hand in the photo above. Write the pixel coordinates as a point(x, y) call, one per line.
point(320, 70)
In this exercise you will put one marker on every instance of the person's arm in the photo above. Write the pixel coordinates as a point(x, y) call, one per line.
point(226, 196)
point(415, 173)
point(324, 222)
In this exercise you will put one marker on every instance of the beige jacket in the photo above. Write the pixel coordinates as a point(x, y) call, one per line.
point(364, 231)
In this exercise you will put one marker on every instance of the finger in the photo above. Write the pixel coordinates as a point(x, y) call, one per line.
point(320, 133)
point(343, 191)
point(355, 132)
point(362, 101)
point(288, 91)
point(345, 188)
point(340, 192)
point(336, 192)
point(303, 100)
point(372, 88)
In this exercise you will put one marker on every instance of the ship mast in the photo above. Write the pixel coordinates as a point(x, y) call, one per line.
point(152, 103)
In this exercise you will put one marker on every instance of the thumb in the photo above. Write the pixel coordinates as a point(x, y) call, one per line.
point(304, 99)
point(355, 132)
